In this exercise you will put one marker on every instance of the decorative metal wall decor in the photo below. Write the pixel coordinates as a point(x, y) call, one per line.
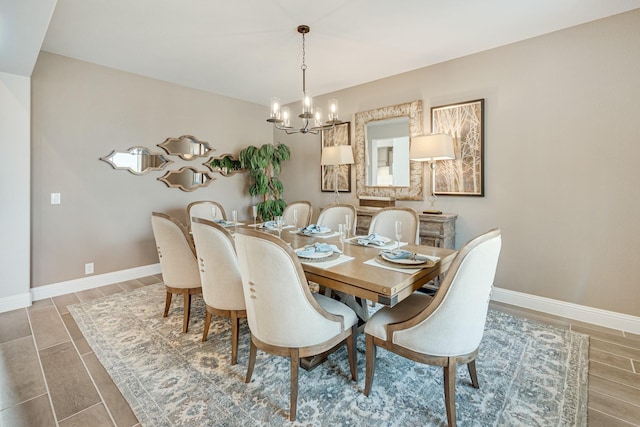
point(187, 179)
point(137, 160)
point(187, 147)
point(225, 165)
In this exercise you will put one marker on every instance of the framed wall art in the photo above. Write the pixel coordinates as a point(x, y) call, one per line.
point(338, 135)
point(463, 176)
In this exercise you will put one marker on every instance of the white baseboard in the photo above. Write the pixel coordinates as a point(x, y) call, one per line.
point(90, 282)
point(596, 316)
point(15, 302)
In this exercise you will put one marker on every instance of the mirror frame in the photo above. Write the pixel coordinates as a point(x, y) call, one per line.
point(413, 110)
point(166, 178)
point(161, 156)
point(191, 140)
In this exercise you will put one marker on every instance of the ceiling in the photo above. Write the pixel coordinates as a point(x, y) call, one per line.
point(250, 50)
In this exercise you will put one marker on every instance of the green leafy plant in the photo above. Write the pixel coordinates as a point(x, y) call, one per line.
point(264, 165)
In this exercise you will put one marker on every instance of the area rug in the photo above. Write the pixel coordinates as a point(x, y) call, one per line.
point(529, 374)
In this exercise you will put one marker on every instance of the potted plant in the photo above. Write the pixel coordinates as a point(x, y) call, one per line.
point(264, 165)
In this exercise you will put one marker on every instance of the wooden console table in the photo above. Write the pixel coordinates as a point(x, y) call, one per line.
point(435, 230)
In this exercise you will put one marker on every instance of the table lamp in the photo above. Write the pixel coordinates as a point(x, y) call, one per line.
point(429, 148)
point(334, 156)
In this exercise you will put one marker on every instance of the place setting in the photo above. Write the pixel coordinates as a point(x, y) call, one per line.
point(314, 230)
point(322, 255)
point(375, 240)
point(226, 223)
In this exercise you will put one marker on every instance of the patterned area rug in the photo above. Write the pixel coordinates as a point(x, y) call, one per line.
point(529, 374)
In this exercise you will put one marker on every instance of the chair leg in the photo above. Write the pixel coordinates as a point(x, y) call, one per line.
point(370, 365)
point(450, 391)
point(252, 361)
point(293, 399)
point(167, 304)
point(235, 325)
point(207, 322)
point(473, 373)
point(352, 353)
point(187, 311)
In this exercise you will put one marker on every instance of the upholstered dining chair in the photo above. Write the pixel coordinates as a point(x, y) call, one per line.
point(284, 318)
point(383, 223)
point(177, 262)
point(220, 277)
point(206, 209)
point(335, 214)
point(445, 330)
point(303, 211)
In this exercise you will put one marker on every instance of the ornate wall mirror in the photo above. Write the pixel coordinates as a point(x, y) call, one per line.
point(382, 139)
point(137, 160)
point(225, 165)
point(187, 147)
point(186, 179)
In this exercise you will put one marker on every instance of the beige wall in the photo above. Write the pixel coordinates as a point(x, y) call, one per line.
point(561, 157)
point(562, 144)
point(82, 112)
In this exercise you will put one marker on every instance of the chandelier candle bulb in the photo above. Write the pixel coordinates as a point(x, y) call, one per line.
point(333, 110)
point(307, 105)
point(317, 116)
point(275, 108)
point(286, 117)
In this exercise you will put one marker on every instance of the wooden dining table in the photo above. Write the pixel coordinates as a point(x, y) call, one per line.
point(369, 282)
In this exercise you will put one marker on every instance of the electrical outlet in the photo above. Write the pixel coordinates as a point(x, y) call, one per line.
point(55, 198)
point(88, 268)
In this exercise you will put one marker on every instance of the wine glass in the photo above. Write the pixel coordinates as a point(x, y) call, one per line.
point(254, 212)
point(342, 228)
point(279, 225)
point(347, 225)
point(398, 233)
point(295, 217)
point(234, 218)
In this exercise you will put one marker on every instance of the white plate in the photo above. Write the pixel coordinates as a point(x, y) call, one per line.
point(405, 261)
point(316, 255)
point(354, 240)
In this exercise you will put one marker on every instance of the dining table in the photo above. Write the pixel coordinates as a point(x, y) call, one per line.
point(359, 273)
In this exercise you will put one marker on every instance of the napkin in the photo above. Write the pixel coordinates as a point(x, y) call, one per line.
point(314, 229)
point(371, 239)
point(222, 222)
point(318, 247)
point(402, 254)
point(271, 225)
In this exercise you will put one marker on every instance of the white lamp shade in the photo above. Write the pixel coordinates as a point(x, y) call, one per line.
point(427, 148)
point(337, 155)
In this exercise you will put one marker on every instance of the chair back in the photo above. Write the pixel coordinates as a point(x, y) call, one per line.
point(304, 212)
point(335, 214)
point(280, 308)
point(219, 269)
point(383, 222)
point(458, 311)
point(176, 252)
point(205, 209)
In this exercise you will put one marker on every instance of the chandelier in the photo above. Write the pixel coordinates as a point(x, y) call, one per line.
point(281, 116)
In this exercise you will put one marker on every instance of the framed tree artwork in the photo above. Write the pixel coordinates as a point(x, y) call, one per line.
point(338, 135)
point(463, 176)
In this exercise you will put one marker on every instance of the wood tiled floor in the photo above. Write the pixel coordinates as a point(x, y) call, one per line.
point(50, 377)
